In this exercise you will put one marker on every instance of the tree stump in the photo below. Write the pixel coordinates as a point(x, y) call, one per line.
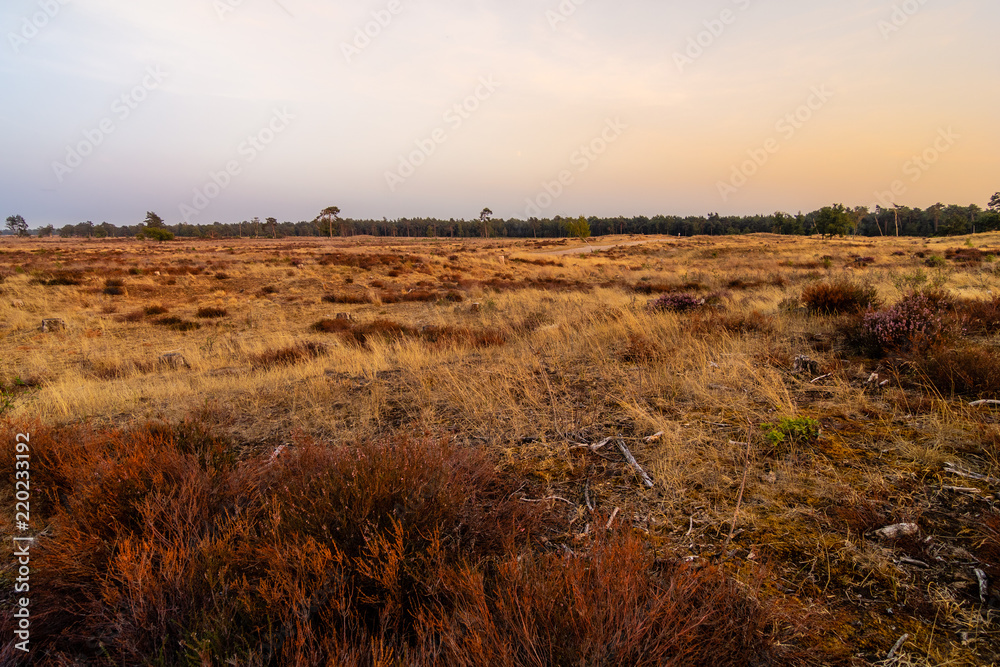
point(174, 360)
point(804, 364)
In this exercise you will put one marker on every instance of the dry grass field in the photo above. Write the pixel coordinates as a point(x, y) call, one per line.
point(411, 451)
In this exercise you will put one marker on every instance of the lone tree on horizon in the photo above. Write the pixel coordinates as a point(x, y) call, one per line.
point(17, 225)
point(153, 220)
point(484, 218)
point(328, 216)
point(579, 228)
point(994, 203)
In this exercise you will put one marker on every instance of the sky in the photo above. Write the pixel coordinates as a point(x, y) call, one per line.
point(222, 110)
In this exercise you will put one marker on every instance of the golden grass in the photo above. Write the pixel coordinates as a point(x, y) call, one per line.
point(584, 359)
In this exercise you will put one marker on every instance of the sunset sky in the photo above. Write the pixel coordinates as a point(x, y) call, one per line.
point(228, 109)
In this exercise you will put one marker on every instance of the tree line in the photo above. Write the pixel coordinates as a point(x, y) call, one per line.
point(835, 220)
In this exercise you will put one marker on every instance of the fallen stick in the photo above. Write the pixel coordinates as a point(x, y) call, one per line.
point(542, 500)
point(961, 489)
point(611, 520)
point(976, 404)
point(586, 496)
point(821, 377)
point(955, 470)
point(899, 645)
point(635, 464)
point(739, 500)
point(593, 447)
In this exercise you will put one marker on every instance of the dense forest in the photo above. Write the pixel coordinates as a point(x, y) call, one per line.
point(937, 220)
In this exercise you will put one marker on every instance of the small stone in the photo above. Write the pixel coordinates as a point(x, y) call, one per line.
point(898, 530)
point(53, 324)
point(17, 303)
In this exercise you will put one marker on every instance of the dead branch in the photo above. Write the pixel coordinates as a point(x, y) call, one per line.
point(635, 464)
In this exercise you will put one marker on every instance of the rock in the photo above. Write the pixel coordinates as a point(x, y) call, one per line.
point(53, 324)
point(898, 530)
point(17, 303)
point(174, 360)
point(804, 364)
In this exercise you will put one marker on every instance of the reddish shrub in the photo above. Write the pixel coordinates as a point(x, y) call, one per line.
point(979, 316)
point(288, 356)
point(209, 312)
point(464, 336)
point(969, 370)
point(676, 303)
point(737, 323)
point(841, 296)
point(177, 323)
point(134, 316)
point(353, 298)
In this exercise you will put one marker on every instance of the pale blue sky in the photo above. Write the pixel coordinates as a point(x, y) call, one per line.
point(890, 84)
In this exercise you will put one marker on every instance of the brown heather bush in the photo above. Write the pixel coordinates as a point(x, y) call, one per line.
point(464, 336)
point(715, 321)
point(132, 317)
point(842, 296)
point(66, 278)
point(163, 548)
point(288, 356)
point(979, 316)
point(343, 297)
point(114, 287)
point(210, 312)
point(155, 310)
point(177, 323)
point(970, 370)
point(364, 333)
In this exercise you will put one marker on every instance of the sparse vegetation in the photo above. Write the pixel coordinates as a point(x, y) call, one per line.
point(791, 431)
point(424, 468)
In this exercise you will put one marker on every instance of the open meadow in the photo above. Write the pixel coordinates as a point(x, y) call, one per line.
point(403, 451)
